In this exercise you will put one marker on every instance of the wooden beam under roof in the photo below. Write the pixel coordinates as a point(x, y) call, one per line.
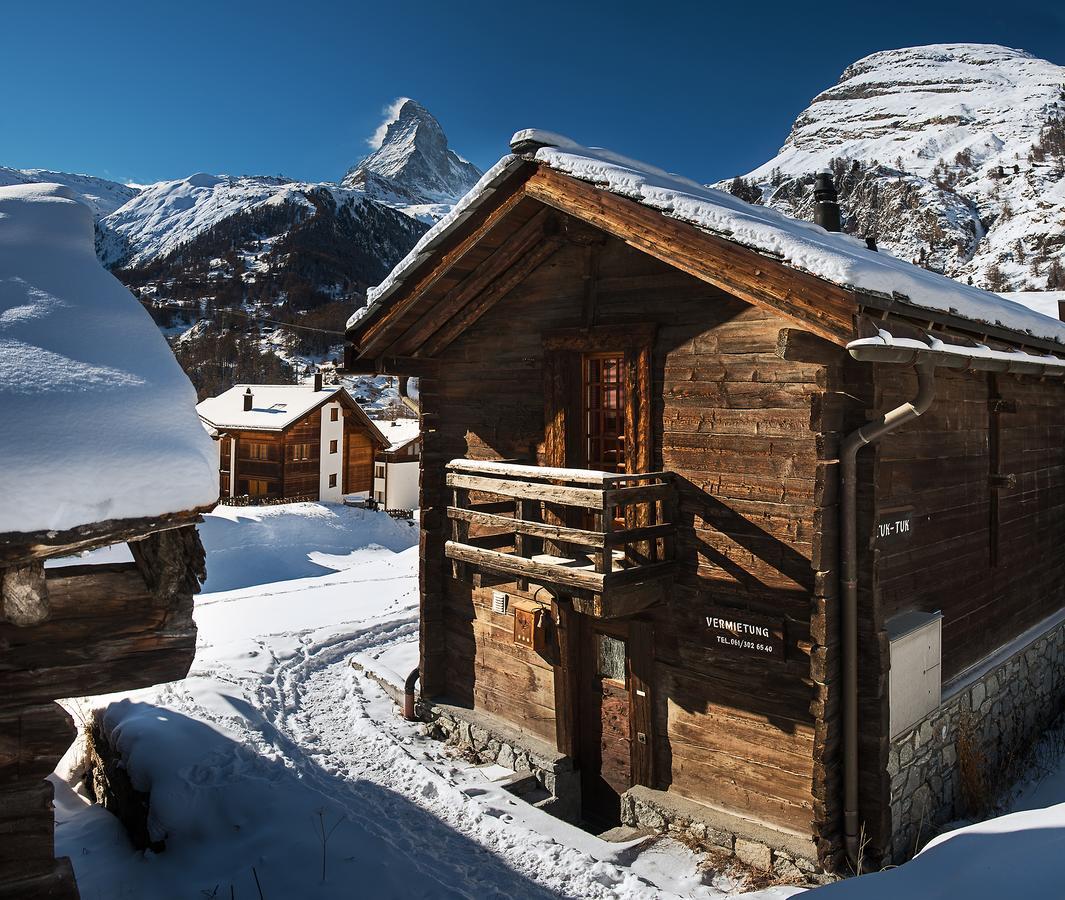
point(488, 217)
point(821, 307)
point(480, 279)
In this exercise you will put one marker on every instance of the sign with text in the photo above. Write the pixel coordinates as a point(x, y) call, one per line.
point(893, 527)
point(744, 633)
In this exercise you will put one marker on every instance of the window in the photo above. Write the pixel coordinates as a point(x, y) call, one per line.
point(257, 488)
point(332, 481)
point(332, 446)
point(334, 414)
point(604, 411)
point(298, 452)
point(611, 662)
point(258, 450)
point(379, 496)
point(412, 449)
point(379, 470)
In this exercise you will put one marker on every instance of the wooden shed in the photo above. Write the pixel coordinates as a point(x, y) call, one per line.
point(100, 446)
point(292, 441)
point(643, 573)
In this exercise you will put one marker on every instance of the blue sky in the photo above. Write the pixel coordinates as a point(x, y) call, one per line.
point(152, 90)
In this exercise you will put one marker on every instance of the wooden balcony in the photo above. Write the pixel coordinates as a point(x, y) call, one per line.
point(605, 540)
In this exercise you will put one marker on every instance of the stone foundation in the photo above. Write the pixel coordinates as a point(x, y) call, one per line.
point(787, 856)
point(991, 718)
point(487, 740)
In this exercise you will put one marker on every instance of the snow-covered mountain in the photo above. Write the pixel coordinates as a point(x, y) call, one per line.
point(412, 167)
point(952, 155)
point(101, 196)
point(168, 214)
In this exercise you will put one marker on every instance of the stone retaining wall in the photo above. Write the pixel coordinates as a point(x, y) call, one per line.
point(488, 741)
point(790, 858)
point(993, 720)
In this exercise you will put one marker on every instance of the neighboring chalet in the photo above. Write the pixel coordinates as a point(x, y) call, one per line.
point(396, 468)
point(292, 441)
point(658, 567)
point(100, 446)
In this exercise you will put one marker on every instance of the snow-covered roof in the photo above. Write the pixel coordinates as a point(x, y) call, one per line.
point(98, 420)
point(274, 406)
point(837, 258)
point(399, 432)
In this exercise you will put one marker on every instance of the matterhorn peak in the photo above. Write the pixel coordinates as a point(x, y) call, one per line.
point(411, 162)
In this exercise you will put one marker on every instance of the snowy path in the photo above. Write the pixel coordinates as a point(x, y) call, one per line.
point(274, 728)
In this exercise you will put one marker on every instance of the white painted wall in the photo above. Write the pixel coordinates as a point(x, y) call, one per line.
point(232, 466)
point(401, 485)
point(332, 463)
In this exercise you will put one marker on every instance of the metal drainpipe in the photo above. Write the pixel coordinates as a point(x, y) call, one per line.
point(852, 443)
point(409, 705)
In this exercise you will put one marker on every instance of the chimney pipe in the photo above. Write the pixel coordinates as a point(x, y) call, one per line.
point(870, 242)
point(317, 381)
point(247, 400)
point(1061, 310)
point(826, 207)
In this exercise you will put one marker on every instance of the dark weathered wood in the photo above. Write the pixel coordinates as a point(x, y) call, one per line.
point(823, 308)
point(17, 548)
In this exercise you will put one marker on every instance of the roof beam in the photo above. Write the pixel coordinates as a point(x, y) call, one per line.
point(818, 306)
point(526, 237)
point(495, 292)
point(375, 331)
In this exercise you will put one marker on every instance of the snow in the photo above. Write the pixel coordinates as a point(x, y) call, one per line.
point(399, 432)
point(462, 210)
point(836, 258)
point(168, 214)
point(99, 194)
point(411, 163)
point(1044, 302)
point(915, 109)
point(274, 406)
point(96, 408)
point(274, 728)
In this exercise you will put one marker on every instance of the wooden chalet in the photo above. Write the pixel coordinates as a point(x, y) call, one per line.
point(83, 477)
point(294, 442)
point(641, 560)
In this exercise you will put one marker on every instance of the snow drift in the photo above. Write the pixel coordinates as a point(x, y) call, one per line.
point(99, 421)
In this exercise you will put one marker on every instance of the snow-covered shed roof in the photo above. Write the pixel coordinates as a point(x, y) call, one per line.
point(98, 420)
point(400, 432)
point(839, 259)
point(274, 407)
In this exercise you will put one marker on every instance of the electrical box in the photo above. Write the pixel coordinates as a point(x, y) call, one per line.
point(530, 625)
point(915, 681)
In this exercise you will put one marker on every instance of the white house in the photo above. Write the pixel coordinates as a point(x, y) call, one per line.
point(396, 467)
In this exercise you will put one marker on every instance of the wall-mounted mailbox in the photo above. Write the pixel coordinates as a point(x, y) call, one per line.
point(915, 680)
point(530, 625)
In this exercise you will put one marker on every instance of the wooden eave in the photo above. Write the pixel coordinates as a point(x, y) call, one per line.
point(19, 548)
point(474, 265)
point(512, 232)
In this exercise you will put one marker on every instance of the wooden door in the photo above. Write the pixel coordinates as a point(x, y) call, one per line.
point(605, 717)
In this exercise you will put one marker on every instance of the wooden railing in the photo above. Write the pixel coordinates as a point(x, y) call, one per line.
point(572, 529)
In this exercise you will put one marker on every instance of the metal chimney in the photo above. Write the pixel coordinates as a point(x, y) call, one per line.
point(1061, 310)
point(317, 381)
point(247, 400)
point(826, 207)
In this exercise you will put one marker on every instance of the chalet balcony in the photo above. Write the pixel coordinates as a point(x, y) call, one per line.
point(605, 540)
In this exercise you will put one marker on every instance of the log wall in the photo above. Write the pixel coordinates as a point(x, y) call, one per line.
point(752, 437)
point(983, 476)
point(111, 627)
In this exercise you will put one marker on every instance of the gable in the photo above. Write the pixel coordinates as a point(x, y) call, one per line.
point(448, 292)
point(816, 279)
